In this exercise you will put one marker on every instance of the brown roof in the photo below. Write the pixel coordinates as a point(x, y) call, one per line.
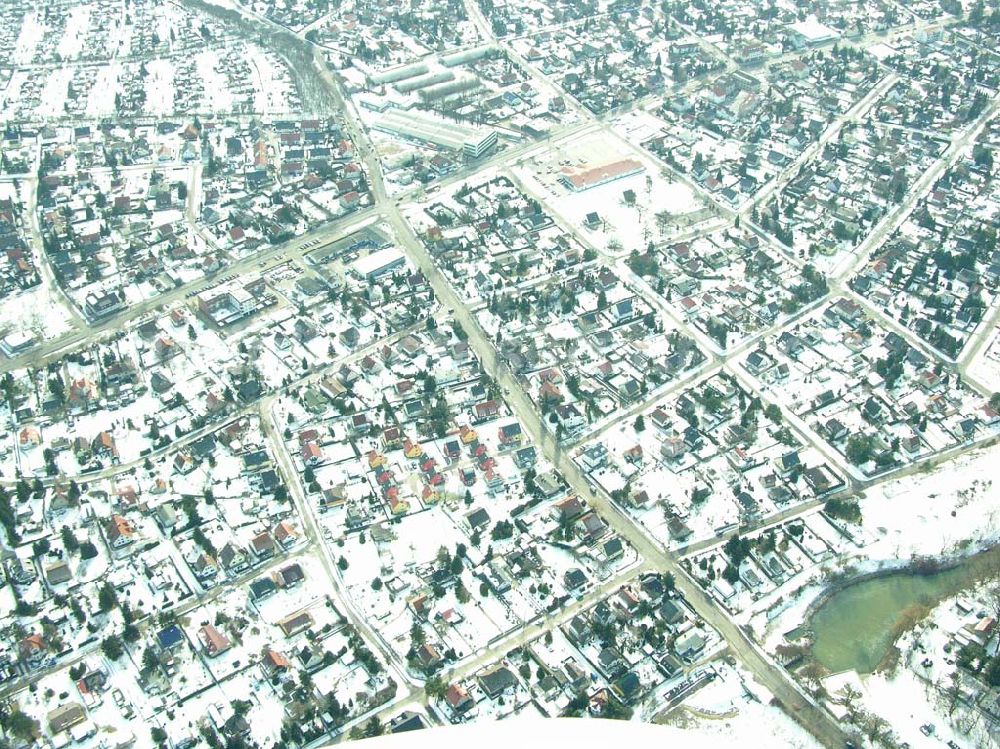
point(275, 660)
point(65, 716)
point(456, 695)
point(215, 642)
point(119, 527)
point(295, 623)
point(603, 173)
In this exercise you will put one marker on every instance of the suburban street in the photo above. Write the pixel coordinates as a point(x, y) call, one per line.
point(810, 715)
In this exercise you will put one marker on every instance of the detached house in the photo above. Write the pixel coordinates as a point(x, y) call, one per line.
point(311, 454)
point(214, 642)
point(233, 558)
point(262, 545)
point(32, 650)
point(119, 532)
point(458, 699)
point(286, 534)
point(510, 435)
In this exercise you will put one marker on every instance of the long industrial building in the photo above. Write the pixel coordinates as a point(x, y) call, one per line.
point(472, 140)
point(601, 175)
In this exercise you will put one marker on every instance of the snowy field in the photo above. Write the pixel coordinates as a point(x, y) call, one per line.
point(733, 710)
point(625, 223)
point(945, 513)
point(950, 511)
point(38, 310)
point(986, 366)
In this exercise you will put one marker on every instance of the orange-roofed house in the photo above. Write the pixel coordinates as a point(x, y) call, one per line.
point(213, 640)
point(119, 531)
point(411, 449)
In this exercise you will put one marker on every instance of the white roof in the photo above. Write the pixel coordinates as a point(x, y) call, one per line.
point(18, 338)
point(375, 261)
point(432, 129)
point(813, 30)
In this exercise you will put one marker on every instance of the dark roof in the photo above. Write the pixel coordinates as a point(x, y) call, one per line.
point(406, 722)
point(203, 447)
point(671, 612)
point(254, 459)
point(262, 587)
point(292, 574)
point(169, 637)
point(478, 518)
point(575, 578)
point(496, 681)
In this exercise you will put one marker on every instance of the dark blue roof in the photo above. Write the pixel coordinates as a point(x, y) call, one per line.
point(169, 637)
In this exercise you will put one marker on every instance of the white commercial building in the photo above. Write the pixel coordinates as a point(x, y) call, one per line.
point(811, 33)
point(378, 263)
point(473, 141)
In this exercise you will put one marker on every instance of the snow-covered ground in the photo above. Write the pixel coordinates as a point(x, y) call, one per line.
point(986, 366)
point(271, 82)
point(75, 34)
point(218, 97)
point(38, 310)
point(54, 91)
point(102, 95)
point(948, 512)
point(623, 226)
point(159, 84)
point(733, 710)
point(32, 31)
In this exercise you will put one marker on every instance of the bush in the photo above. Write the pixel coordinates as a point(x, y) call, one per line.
point(112, 648)
point(844, 509)
point(992, 672)
point(859, 449)
point(737, 549)
point(503, 529)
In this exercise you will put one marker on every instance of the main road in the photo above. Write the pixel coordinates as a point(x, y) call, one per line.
point(816, 720)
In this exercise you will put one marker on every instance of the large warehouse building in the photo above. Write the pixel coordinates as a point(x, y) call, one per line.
point(380, 262)
point(811, 33)
point(601, 175)
point(473, 141)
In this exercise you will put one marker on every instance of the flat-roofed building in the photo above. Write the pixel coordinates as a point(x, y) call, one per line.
point(473, 141)
point(601, 175)
point(378, 263)
point(811, 33)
